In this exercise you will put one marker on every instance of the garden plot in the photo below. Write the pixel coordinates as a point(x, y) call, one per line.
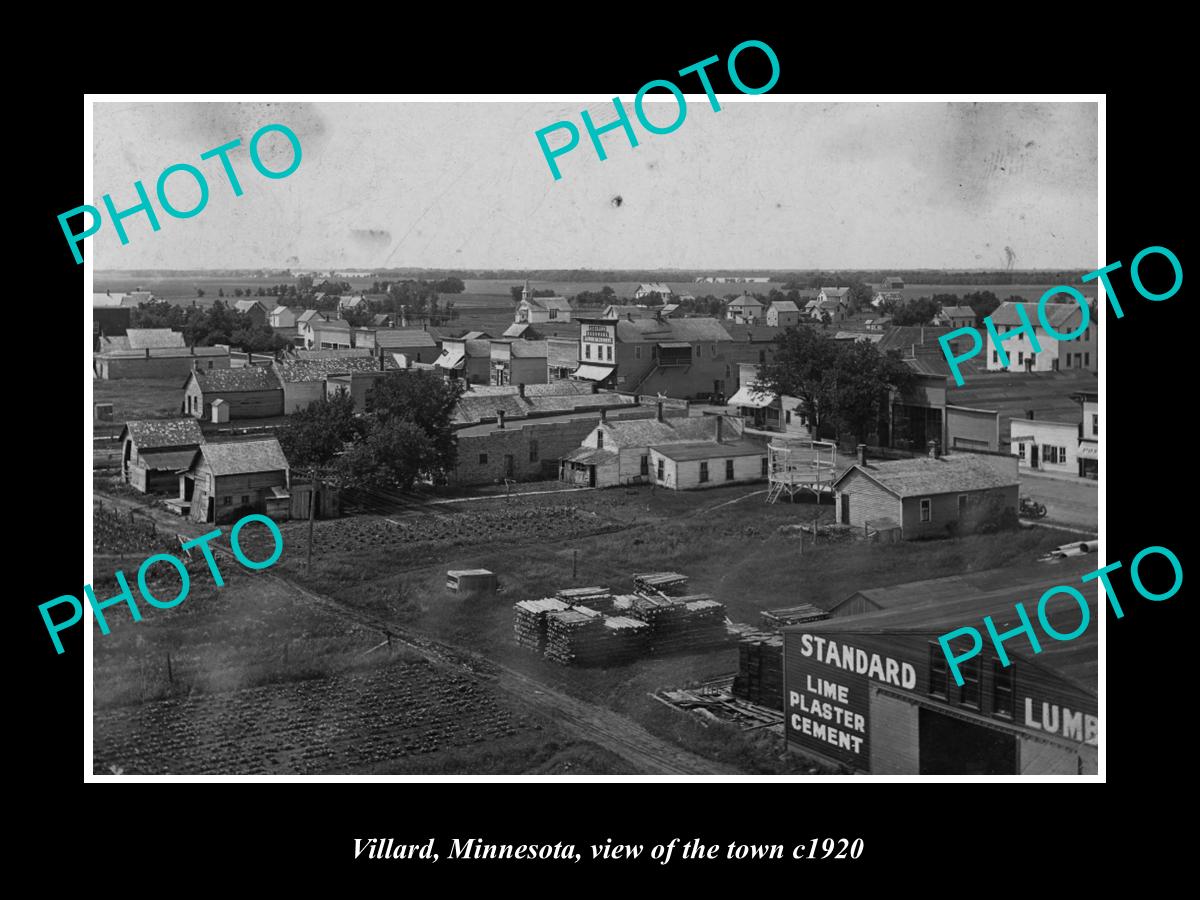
point(342, 723)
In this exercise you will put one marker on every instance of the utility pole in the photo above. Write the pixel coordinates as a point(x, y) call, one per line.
point(312, 515)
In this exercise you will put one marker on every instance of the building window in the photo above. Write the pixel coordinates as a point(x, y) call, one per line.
point(1003, 689)
point(1087, 359)
point(554, 313)
point(1021, 451)
point(245, 499)
point(483, 459)
point(714, 351)
point(968, 694)
point(1020, 357)
point(939, 672)
point(1062, 455)
point(599, 440)
point(645, 466)
point(962, 506)
point(1050, 452)
point(227, 501)
point(610, 352)
point(637, 351)
point(995, 357)
point(703, 472)
point(1068, 358)
point(587, 351)
point(926, 510)
point(1095, 423)
point(533, 451)
point(660, 469)
point(762, 357)
point(788, 417)
point(764, 467)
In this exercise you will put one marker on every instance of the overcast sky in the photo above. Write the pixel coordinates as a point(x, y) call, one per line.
point(772, 185)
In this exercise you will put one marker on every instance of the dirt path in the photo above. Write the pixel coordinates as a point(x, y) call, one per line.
point(647, 753)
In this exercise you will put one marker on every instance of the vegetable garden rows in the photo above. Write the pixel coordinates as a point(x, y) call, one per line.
point(343, 723)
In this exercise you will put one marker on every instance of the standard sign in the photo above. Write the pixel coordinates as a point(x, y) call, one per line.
point(827, 701)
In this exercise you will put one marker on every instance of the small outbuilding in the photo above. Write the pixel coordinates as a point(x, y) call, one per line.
point(226, 480)
point(250, 392)
point(153, 450)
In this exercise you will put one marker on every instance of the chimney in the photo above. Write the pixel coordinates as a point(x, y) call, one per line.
point(660, 411)
point(521, 391)
point(500, 417)
point(862, 454)
point(603, 415)
point(933, 450)
point(147, 353)
point(629, 317)
point(1029, 413)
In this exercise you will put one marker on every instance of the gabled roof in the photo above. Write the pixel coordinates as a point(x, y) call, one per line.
point(381, 319)
point(474, 336)
point(528, 349)
point(155, 338)
point(280, 310)
point(232, 381)
point(244, 457)
point(302, 370)
point(332, 325)
point(756, 333)
point(547, 303)
point(152, 433)
point(836, 291)
point(1063, 317)
point(516, 329)
point(656, 287)
point(332, 352)
point(247, 305)
point(652, 433)
point(710, 450)
point(958, 312)
point(654, 331)
point(309, 314)
point(746, 301)
point(924, 476)
point(403, 337)
point(785, 306)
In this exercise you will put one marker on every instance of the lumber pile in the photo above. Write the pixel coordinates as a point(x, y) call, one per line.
point(529, 621)
point(670, 583)
point(774, 619)
point(760, 670)
point(679, 624)
point(627, 639)
point(597, 598)
point(576, 636)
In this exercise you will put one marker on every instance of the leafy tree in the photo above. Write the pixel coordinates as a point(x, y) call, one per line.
point(860, 391)
point(317, 434)
point(803, 359)
point(237, 292)
point(199, 292)
point(394, 453)
point(450, 286)
point(358, 318)
point(304, 283)
point(916, 312)
point(425, 399)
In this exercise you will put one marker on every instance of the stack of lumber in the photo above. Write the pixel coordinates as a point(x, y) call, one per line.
point(597, 598)
point(680, 624)
point(576, 636)
point(627, 639)
point(661, 582)
point(622, 603)
point(529, 621)
point(774, 619)
point(760, 670)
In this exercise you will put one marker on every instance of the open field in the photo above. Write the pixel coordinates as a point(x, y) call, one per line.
point(139, 398)
point(1030, 292)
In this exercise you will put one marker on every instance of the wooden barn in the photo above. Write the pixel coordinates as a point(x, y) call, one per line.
point(154, 450)
point(927, 496)
point(225, 481)
point(251, 392)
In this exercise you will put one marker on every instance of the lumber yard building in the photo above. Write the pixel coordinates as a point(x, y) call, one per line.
point(873, 693)
point(927, 496)
point(226, 480)
point(154, 450)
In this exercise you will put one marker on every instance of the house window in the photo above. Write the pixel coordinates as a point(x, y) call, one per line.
point(637, 351)
point(645, 465)
point(660, 469)
point(587, 351)
point(610, 352)
point(599, 440)
point(227, 501)
point(703, 472)
point(1021, 451)
point(1003, 689)
point(1062, 454)
point(714, 351)
point(210, 363)
point(926, 510)
point(245, 499)
point(995, 357)
point(939, 672)
point(729, 470)
point(968, 694)
point(533, 451)
point(554, 313)
point(1020, 357)
point(483, 459)
point(1087, 359)
point(1050, 452)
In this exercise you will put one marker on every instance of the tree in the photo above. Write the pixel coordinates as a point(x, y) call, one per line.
point(916, 312)
point(220, 292)
point(237, 292)
point(199, 292)
point(864, 381)
point(394, 453)
point(314, 436)
point(425, 399)
point(803, 358)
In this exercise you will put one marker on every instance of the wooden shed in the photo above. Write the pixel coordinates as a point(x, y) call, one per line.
point(250, 392)
point(476, 580)
point(154, 450)
point(226, 480)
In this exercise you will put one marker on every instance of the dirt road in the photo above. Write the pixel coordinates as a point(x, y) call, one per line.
point(646, 753)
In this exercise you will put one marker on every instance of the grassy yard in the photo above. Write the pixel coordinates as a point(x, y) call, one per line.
point(140, 398)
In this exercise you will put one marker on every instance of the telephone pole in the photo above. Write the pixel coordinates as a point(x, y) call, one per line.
point(312, 515)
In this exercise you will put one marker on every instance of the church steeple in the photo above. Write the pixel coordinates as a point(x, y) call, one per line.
point(525, 291)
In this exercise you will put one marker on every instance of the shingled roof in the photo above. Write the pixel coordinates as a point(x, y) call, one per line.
point(244, 457)
point(232, 381)
point(153, 433)
point(925, 475)
point(651, 432)
point(388, 338)
point(301, 370)
point(1063, 317)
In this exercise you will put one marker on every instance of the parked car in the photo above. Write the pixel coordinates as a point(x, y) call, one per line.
point(1031, 509)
